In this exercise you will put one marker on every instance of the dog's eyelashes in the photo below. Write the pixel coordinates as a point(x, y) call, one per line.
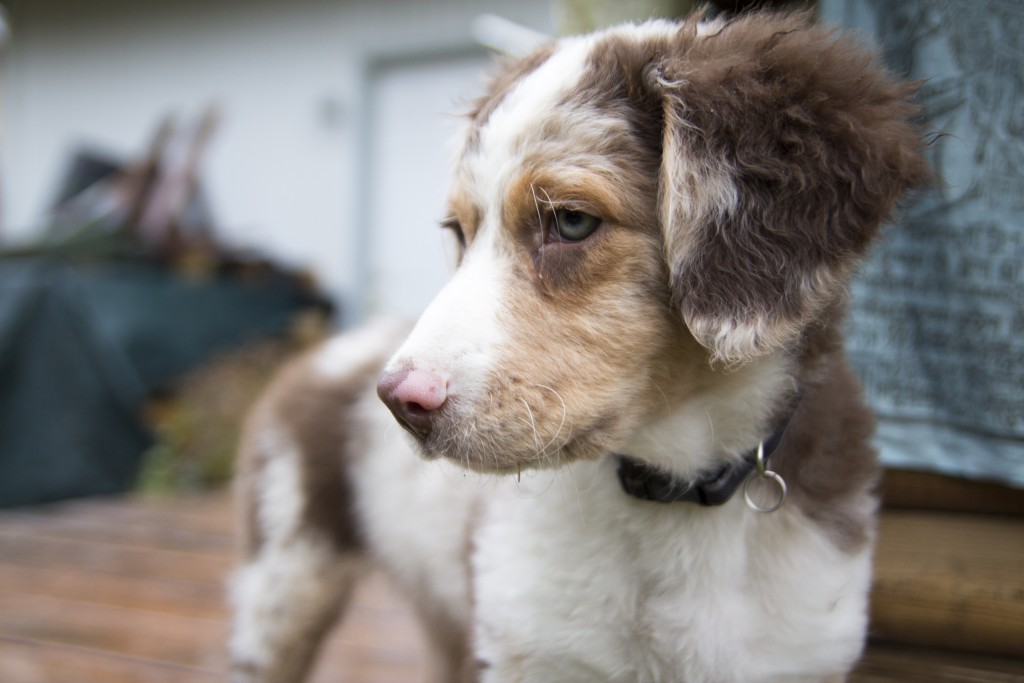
point(571, 225)
point(453, 224)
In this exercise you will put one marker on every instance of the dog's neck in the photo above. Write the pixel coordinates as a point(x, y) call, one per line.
point(711, 430)
point(713, 487)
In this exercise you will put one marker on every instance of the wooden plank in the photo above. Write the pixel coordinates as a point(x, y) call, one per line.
point(368, 666)
point(378, 641)
point(24, 661)
point(206, 513)
point(379, 616)
point(373, 600)
point(104, 628)
point(950, 580)
point(905, 489)
point(163, 534)
point(19, 546)
point(201, 599)
point(886, 663)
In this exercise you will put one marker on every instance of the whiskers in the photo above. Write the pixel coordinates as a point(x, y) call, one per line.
point(545, 452)
point(561, 424)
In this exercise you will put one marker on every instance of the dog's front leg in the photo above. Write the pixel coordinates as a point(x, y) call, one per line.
point(285, 600)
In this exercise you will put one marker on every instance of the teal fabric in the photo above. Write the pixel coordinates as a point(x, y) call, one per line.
point(84, 342)
point(69, 400)
point(937, 329)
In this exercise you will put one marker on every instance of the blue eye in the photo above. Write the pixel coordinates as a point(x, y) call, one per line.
point(573, 226)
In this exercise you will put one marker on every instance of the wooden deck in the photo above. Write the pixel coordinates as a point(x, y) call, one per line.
point(131, 591)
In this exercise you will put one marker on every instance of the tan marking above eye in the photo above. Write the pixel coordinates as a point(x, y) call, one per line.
point(537, 194)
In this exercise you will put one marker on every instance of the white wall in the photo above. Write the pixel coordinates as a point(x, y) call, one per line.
point(409, 160)
point(291, 79)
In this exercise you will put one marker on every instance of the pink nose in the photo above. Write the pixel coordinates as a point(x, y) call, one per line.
point(413, 396)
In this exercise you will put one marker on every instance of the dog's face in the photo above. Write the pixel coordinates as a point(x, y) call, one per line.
point(633, 208)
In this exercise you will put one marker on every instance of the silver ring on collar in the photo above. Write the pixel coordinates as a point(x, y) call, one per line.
point(764, 473)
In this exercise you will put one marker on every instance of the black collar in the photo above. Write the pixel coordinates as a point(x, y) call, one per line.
point(716, 487)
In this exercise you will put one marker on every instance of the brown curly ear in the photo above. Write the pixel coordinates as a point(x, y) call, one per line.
point(785, 147)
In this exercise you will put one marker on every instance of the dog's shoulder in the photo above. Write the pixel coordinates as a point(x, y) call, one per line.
point(304, 428)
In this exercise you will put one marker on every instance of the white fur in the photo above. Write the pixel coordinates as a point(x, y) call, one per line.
point(280, 492)
point(456, 336)
point(620, 590)
point(266, 618)
point(710, 28)
point(724, 420)
point(518, 116)
point(342, 353)
point(696, 192)
point(438, 495)
point(734, 342)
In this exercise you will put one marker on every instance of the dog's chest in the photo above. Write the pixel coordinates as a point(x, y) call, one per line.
point(573, 581)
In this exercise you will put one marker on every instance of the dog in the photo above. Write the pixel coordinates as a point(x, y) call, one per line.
point(634, 449)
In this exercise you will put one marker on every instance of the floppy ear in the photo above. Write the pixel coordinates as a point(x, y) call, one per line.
point(784, 148)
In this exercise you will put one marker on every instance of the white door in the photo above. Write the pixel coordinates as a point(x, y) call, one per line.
point(415, 112)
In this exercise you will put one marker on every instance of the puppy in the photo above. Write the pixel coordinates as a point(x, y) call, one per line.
point(634, 449)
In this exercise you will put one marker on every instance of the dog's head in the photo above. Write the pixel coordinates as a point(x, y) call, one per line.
point(639, 211)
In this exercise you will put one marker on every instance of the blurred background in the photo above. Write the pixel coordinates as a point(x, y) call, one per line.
point(191, 192)
point(316, 103)
point(186, 178)
point(180, 180)
point(188, 181)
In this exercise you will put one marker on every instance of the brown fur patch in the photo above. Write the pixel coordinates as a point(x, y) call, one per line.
point(818, 142)
point(316, 413)
point(618, 82)
point(826, 457)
